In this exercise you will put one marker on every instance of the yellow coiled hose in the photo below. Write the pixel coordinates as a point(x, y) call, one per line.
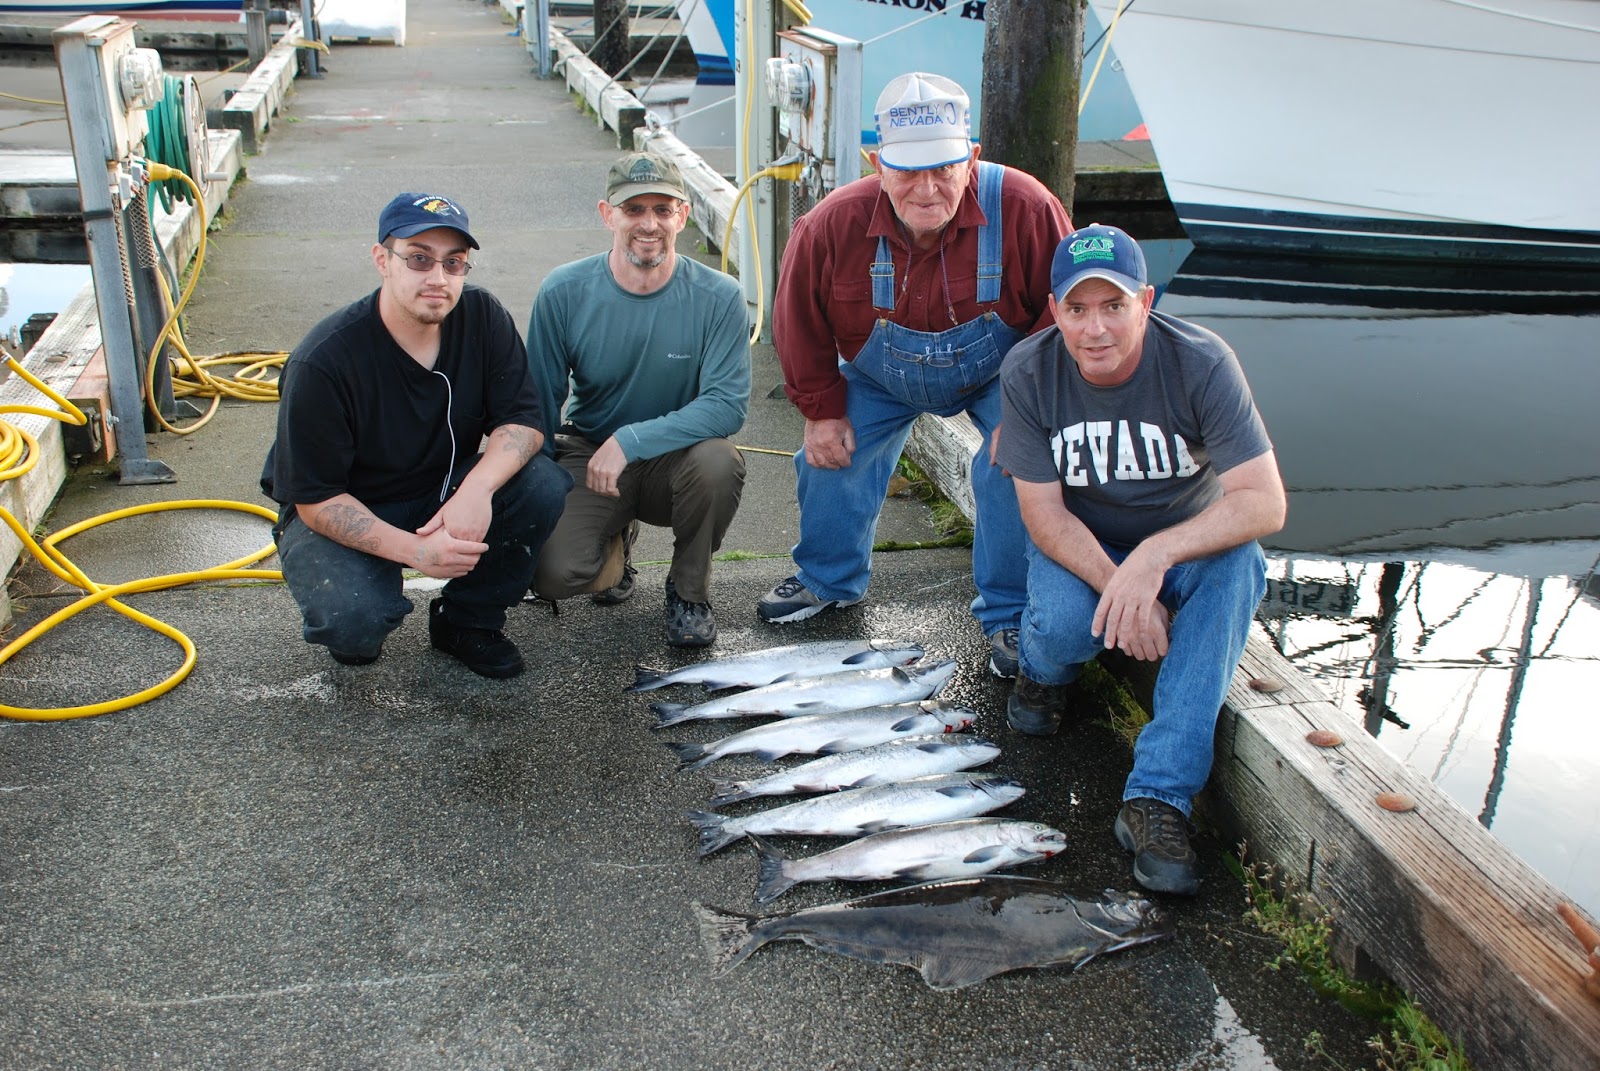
point(19, 453)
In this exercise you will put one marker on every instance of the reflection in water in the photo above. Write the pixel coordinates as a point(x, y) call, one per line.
point(1435, 426)
point(26, 289)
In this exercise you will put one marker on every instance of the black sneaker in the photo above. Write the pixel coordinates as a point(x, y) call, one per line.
point(622, 590)
point(689, 624)
point(1158, 836)
point(485, 651)
point(1036, 708)
point(1003, 653)
point(350, 658)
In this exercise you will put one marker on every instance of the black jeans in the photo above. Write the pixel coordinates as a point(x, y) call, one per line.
point(351, 600)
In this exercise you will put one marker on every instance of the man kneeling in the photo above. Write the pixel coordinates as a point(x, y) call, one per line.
point(375, 467)
point(1145, 475)
point(656, 351)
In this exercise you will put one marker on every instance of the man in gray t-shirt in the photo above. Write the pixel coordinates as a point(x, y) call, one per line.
point(1145, 476)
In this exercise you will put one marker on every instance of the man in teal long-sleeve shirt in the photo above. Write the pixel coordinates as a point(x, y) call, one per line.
point(646, 355)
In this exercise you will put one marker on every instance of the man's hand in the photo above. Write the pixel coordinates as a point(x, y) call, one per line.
point(1130, 615)
point(605, 468)
point(441, 555)
point(465, 514)
point(830, 443)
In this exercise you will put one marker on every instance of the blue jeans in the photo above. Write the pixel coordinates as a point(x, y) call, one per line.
point(1214, 600)
point(350, 600)
point(839, 507)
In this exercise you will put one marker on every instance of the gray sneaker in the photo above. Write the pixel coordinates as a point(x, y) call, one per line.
point(1158, 836)
point(792, 601)
point(689, 624)
point(1003, 653)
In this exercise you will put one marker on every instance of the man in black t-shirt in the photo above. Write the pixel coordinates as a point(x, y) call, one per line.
point(1145, 476)
point(376, 464)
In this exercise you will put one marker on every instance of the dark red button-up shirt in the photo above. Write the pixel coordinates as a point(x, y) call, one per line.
point(823, 306)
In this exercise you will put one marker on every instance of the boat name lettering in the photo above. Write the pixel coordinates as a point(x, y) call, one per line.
point(970, 9)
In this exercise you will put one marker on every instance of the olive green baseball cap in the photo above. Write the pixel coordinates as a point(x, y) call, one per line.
point(644, 172)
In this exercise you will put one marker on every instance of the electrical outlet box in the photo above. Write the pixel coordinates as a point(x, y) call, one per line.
point(800, 83)
point(815, 82)
point(129, 79)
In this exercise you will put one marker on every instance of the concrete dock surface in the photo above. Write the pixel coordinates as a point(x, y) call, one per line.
point(286, 863)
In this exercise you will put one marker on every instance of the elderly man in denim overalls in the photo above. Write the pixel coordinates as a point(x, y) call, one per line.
point(899, 295)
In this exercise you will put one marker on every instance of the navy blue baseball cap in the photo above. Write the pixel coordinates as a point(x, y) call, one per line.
point(1098, 252)
point(413, 213)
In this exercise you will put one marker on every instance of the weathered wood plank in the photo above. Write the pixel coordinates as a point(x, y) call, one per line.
point(614, 107)
point(254, 104)
point(1428, 896)
point(943, 447)
point(58, 358)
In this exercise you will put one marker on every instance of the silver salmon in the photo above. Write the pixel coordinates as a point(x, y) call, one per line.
point(956, 933)
point(963, 849)
point(851, 690)
point(893, 760)
point(790, 662)
point(919, 801)
point(827, 734)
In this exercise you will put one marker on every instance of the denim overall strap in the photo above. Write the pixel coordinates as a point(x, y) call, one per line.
point(899, 374)
point(990, 179)
point(883, 277)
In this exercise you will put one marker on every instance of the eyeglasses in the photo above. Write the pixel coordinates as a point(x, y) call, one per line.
point(423, 262)
point(660, 211)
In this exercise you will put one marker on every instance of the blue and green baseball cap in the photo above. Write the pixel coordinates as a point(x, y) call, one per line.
point(1098, 252)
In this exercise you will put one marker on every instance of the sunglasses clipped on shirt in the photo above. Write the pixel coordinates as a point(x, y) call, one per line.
point(424, 263)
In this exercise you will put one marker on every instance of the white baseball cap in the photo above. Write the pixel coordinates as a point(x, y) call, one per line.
point(923, 121)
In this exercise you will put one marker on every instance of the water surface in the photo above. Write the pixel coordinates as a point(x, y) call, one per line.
point(1436, 428)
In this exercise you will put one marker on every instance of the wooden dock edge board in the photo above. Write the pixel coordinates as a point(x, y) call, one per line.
point(43, 187)
point(254, 104)
point(710, 195)
point(1429, 897)
point(58, 359)
point(614, 107)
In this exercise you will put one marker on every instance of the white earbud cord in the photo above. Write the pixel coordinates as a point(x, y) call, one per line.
point(449, 402)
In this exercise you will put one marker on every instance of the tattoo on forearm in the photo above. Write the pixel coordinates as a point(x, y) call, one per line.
point(515, 439)
point(349, 525)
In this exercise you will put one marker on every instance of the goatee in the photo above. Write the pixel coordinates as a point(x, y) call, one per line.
point(645, 262)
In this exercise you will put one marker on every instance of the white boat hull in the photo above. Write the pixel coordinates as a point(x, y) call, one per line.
point(943, 37)
point(1440, 128)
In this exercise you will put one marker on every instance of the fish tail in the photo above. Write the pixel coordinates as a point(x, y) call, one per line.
point(668, 713)
point(772, 880)
point(646, 677)
point(723, 792)
point(714, 831)
point(690, 756)
point(727, 936)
